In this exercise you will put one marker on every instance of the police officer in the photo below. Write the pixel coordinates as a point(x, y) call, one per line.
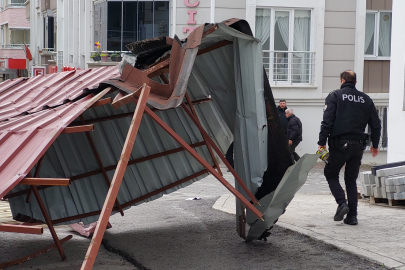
point(346, 114)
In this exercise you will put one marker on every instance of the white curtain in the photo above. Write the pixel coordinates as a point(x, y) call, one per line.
point(301, 42)
point(263, 24)
point(281, 59)
point(283, 26)
point(370, 22)
point(384, 40)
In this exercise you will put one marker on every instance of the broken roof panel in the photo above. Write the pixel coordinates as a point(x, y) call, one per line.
point(227, 72)
point(24, 95)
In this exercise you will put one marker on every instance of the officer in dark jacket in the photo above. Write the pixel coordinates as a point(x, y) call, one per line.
point(294, 132)
point(281, 113)
point(346, 114)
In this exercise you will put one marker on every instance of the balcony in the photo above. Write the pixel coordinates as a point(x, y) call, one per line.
point(13, 46)
point(13, 4)
point(290, 67)
point(109, 60)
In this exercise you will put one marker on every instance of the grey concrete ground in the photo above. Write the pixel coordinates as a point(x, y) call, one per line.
point(379, 236)
point(175, 233)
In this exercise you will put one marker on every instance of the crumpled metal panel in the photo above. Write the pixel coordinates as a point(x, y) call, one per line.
point(274, 204)
point(237, 105)
point(24, 139)
point(241, 110)
point(34, 94)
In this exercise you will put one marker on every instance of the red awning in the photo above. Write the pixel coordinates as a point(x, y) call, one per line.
point(17, 63)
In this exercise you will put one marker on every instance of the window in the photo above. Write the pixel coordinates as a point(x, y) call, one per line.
point(286, 39)
point(14, 38)
point(378, 34)
point(130, 21)
point(11, 3)
point(19, 37)
point(49, 33)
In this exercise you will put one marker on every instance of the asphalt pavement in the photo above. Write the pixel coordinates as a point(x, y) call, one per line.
point(175, 232)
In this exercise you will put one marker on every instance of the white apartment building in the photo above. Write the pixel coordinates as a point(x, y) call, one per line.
point(306, 43)
point(396, 117)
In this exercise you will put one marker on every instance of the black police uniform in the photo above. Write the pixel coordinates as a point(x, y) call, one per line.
point(346, 114)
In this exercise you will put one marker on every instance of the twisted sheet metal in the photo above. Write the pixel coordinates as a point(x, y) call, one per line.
point(22, 95)
point(237, 108)
point(24, 139)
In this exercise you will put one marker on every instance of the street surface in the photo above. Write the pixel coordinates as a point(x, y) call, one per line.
point(175, 233)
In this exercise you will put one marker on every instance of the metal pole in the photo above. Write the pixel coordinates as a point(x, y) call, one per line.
point(204, 163)
point(190, 104)
point(211, 142)
point(116, 181)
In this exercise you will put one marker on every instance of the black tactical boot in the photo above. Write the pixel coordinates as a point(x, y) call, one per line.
point(341, 211)
point(350, 220)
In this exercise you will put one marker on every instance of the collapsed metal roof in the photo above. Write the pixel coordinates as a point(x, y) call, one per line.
point(218, 69)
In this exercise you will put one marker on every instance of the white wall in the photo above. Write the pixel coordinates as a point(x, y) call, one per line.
point(396, 116)
point(74, 21)
point(75, 31)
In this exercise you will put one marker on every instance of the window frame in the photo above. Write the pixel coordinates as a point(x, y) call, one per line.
point(291, 11)
point(377, 17)
point(138, 34)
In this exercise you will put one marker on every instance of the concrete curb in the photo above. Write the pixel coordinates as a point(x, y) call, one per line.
point(226, 203)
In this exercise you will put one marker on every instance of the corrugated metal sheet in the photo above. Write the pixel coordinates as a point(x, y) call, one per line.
point(24, 139)
point(31, 95)
point(231, 75)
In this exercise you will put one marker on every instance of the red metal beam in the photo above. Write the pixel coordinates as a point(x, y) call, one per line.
point(214, 47)
point(203, 134)
point(33, 255)
point(49, 222)
point(121, 99)
point(164, 79)
point(116, 181)
point(110, 168)
point(100, 164)
point(211, 30)
point(203, 162)
point(14, 228)
point(101, 102)
point(36, 174)
point(221, 156)
point(76, 129)
point(130, 114)
point(45, 181)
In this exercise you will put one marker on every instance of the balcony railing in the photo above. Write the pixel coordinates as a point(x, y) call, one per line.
point(110, 53)
point(13, 46)
point(290, 67)
point(12, 5)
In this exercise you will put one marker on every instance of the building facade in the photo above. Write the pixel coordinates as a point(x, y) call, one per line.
point(15, 32)
point(306, 43)
point(396, 117)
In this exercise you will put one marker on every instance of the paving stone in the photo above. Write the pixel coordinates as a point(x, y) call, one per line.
point(390, 189)
point(400, 188)
point(379, 192)
point(391, 171)
point(399, 196)
point(390, 196)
